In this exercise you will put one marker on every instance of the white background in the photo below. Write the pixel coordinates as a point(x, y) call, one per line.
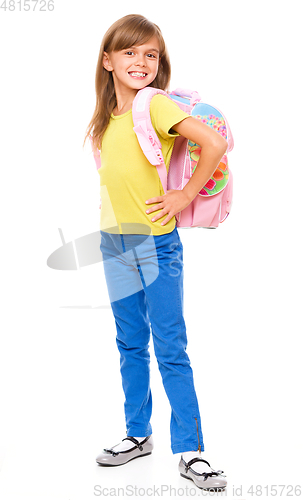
point(61, 393)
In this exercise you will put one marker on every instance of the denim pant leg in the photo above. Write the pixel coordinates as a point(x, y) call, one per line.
point(165, 309)
point(128, 303)
point(156, 297)
point(133, 335)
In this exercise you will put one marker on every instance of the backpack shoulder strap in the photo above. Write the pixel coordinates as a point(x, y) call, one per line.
point(147, 137)
point(96, 153)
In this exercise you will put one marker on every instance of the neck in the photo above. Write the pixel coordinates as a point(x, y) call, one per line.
point(124, 97)
point(123, 107)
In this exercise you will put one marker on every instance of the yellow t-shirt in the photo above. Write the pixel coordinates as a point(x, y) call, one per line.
point(127, 178)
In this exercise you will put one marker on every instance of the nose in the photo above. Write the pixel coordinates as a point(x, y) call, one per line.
point(140, 60)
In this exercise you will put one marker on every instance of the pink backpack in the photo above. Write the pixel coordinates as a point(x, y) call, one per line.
point(213, 203)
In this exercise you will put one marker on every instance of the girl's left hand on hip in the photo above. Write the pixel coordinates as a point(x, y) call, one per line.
point(171, 203)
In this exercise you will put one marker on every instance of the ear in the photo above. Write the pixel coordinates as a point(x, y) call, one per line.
point(106, 62)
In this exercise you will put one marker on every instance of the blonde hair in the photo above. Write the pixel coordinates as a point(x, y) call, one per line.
point(127, 32)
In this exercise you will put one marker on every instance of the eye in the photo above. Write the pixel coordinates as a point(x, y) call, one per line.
point(152, 55)
point(129, 52)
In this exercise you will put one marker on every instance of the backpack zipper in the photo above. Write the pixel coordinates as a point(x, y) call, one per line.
point(199, 447)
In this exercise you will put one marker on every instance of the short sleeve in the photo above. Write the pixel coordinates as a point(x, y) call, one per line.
point(164, 115)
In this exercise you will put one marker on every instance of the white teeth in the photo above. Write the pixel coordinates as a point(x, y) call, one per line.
point(137, 74)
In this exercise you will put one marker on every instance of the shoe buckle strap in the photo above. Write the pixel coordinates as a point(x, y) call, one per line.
point(205, 474)
point(194, 460)
point(135, 441)
point(213, 473)
point(109, 450)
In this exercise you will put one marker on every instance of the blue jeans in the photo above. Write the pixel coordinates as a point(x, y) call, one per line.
point(144, 276)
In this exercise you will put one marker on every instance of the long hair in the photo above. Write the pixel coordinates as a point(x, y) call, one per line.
point(128, 31)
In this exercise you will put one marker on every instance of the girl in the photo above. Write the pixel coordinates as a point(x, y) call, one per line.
point(141, 249)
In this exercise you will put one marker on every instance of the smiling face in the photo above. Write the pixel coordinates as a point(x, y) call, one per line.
point(135, 67)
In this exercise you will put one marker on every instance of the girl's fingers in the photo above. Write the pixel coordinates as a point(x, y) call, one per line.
point(165, 221)
point(154, 208)
point(161, 214)
point(158, 216)
point(154, 200)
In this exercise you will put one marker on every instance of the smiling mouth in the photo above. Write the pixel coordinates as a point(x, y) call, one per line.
point(137, 74)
